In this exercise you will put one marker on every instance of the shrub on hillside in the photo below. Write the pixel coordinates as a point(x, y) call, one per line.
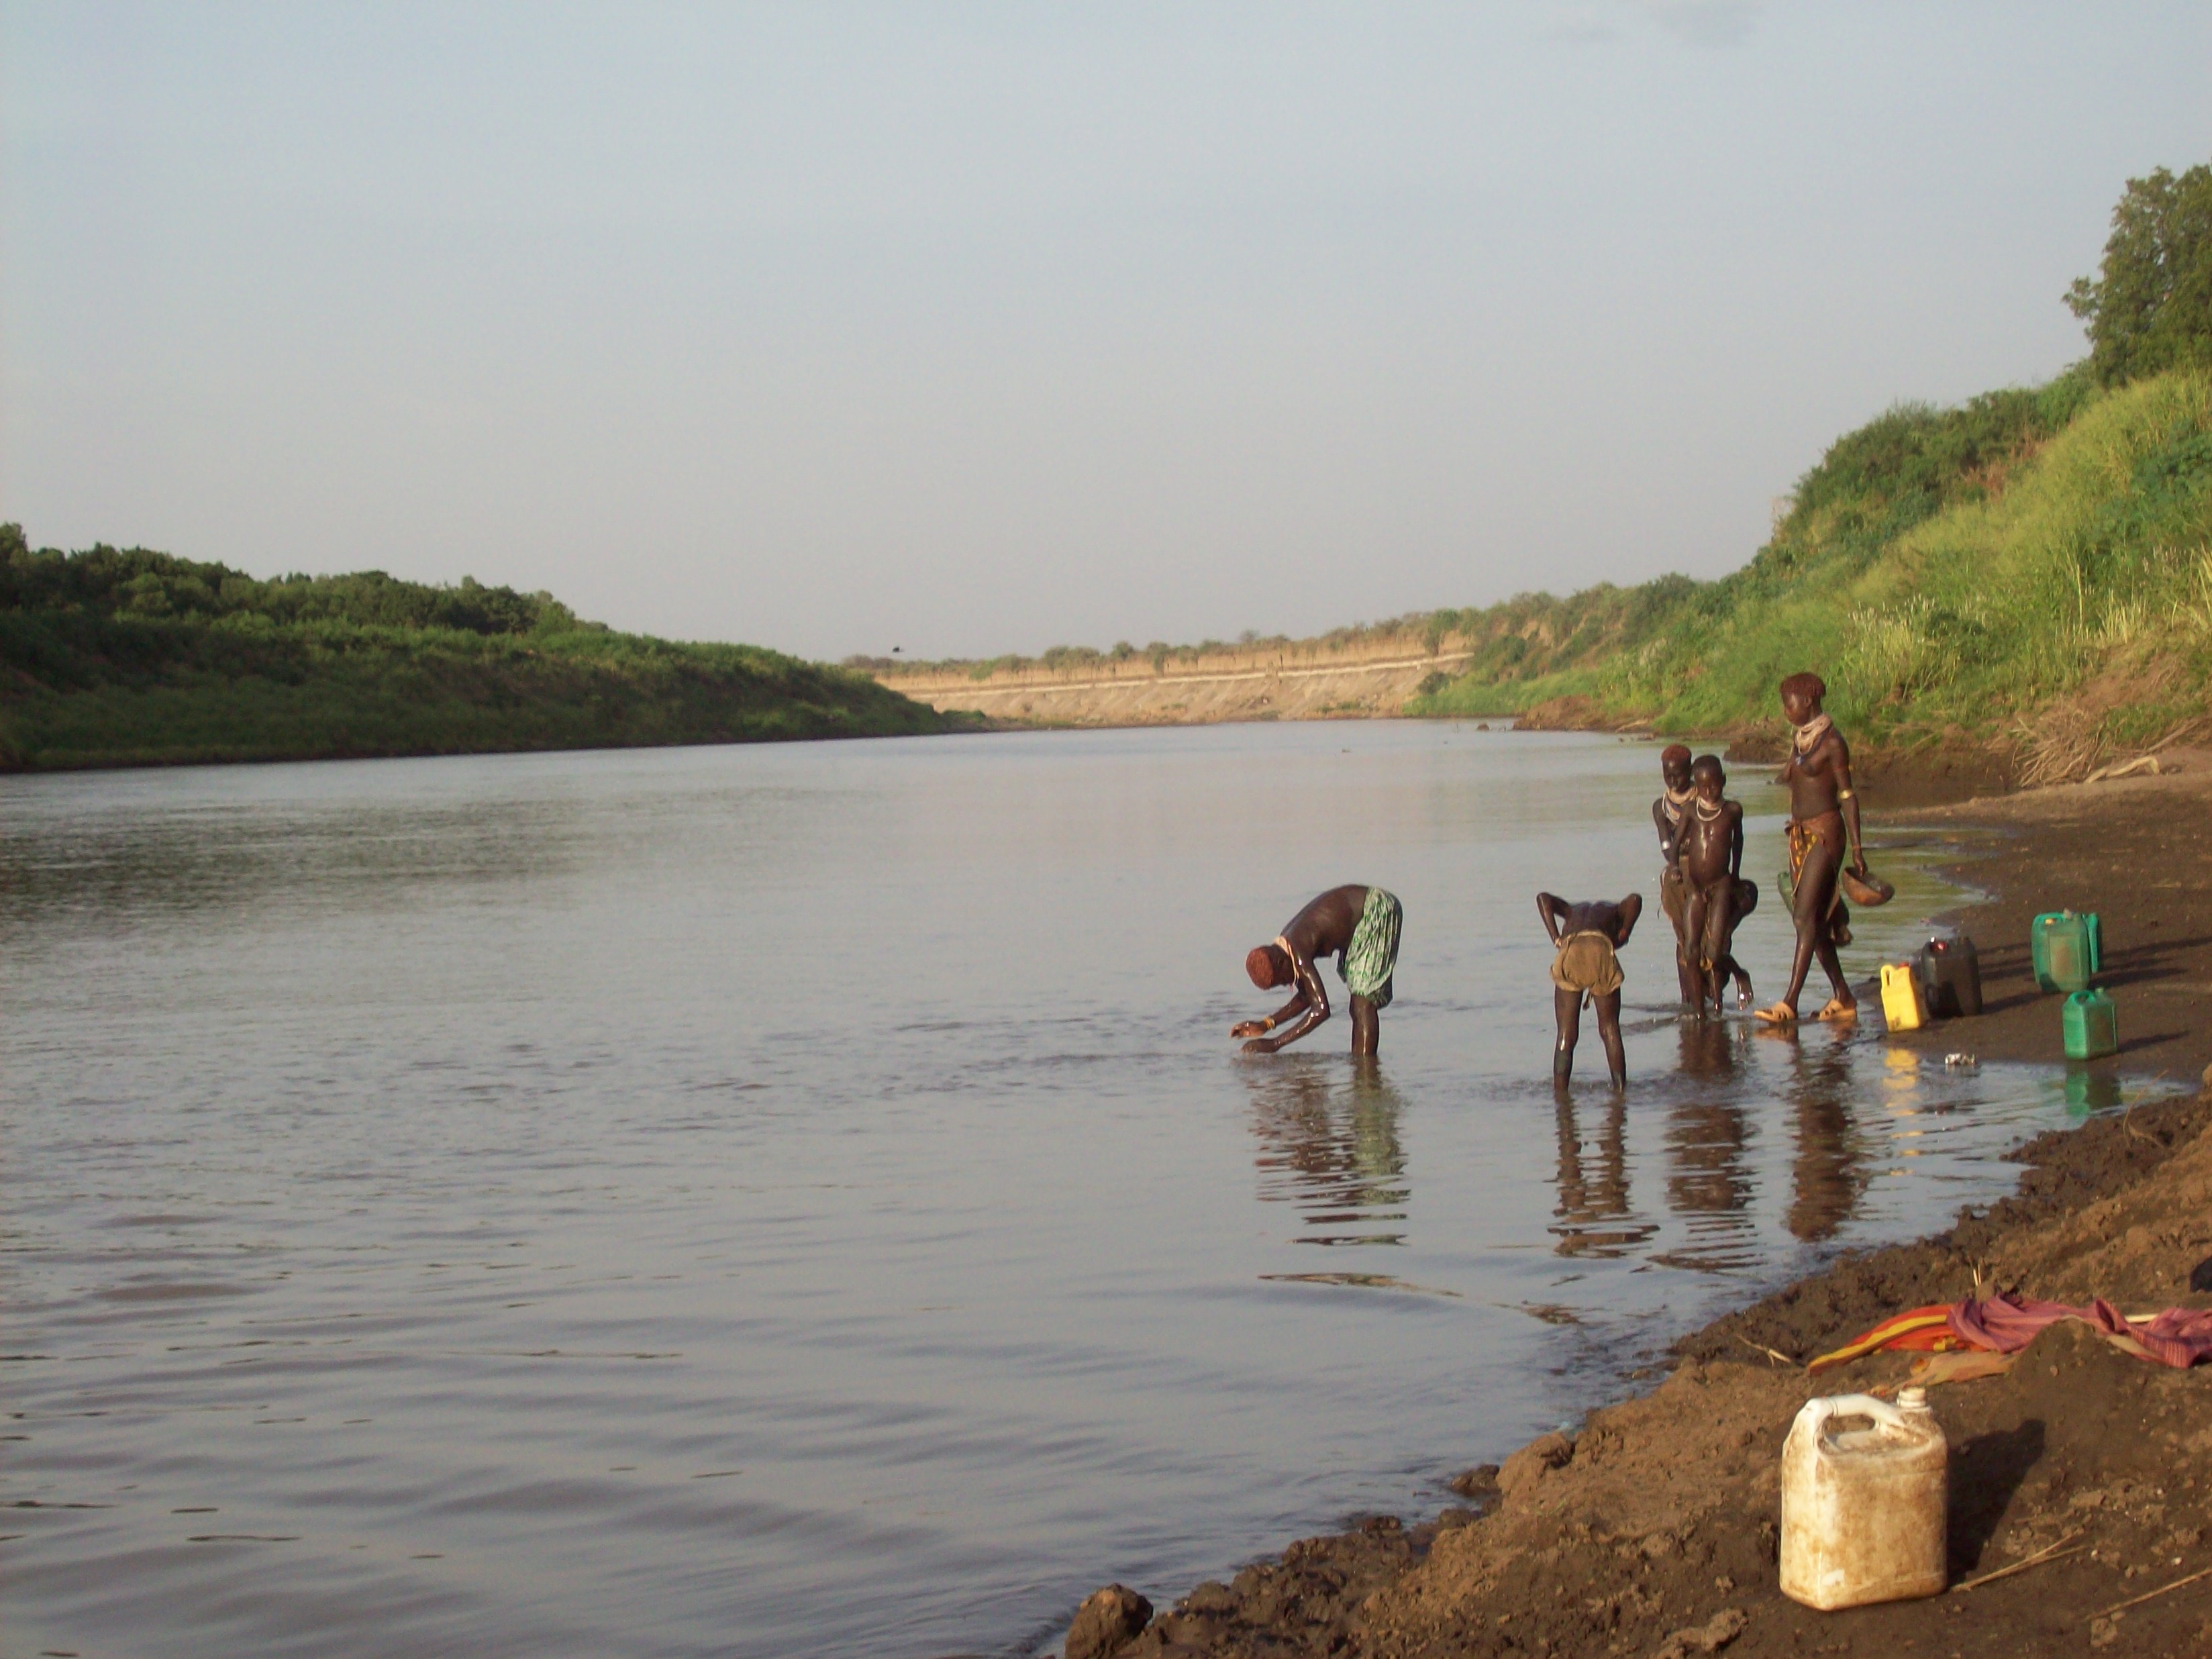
point(2149, 307)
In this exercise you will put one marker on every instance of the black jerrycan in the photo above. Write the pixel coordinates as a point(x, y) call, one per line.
point(1951, 975)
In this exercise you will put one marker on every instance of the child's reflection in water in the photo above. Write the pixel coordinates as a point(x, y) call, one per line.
point(1827, 1174)
point(1708, 1180)
point(1329, 1145)
point(1594, 1218)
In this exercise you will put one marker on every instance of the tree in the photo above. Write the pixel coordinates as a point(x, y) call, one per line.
point(2150, 306)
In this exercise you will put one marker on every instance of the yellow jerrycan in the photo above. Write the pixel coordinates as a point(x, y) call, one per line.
point(1903, 1004)
point(1864, 1510)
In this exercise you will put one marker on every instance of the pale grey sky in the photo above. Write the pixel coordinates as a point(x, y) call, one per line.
point(972, 328)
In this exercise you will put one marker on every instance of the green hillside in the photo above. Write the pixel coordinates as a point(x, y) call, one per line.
point(126, 657)
point(2028, 575)
point(2032, 572)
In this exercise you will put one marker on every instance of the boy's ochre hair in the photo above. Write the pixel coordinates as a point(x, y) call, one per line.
point(1810, 684)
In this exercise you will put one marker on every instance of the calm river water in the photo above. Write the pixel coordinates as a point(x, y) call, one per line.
point(803, 1199)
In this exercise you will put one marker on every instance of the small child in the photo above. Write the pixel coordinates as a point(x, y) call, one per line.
point(1667, 814)
point(1588, 936)
point(1708, 863)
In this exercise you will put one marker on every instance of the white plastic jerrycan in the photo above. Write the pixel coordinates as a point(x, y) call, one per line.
point(1864, 1511)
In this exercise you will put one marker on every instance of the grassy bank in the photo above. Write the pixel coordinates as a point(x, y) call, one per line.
point(2030, 573)
point(126, 657)
point(2026, 579)
point(2019, 587)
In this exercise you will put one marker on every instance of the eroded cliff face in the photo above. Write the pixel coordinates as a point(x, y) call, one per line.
point(1255, 685)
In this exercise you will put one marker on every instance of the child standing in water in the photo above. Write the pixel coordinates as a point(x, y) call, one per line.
point(1588, 936)
point(1667, 817)
point(1709, 863)
point(1359, 926)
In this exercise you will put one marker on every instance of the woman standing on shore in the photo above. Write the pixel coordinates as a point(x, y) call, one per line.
point(1823, 813)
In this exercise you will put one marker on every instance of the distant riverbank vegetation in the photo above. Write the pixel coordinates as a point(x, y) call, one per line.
point(1422, 630)
point(128, 657)
point(2028, 574)
point(2026, 578)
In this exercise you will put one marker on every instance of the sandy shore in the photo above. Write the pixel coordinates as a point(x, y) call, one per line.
point(1652, 1530)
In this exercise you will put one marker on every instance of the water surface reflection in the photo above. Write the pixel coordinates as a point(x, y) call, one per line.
point(1330, 1145)
point(660, 1203)
point(1828, 1175)
point(1593, 1217)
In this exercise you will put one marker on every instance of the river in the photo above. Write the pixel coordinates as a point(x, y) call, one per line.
point(803, 1199)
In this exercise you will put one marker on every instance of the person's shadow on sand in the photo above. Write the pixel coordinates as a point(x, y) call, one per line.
point(2149, 960)
point(1985, 1471)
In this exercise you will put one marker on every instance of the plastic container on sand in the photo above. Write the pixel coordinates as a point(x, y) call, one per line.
point(2091, 1025)
point(2067, 948)
point(1903, 1005)
point(1951, 978)
point(1864, 1510)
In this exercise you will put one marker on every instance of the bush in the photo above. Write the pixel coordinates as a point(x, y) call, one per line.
point(121, 656)
point(2149, 307)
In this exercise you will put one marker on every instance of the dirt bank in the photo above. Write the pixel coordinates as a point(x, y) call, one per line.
point(1652, 1531)
point(2139, 852)
point(1293, 681)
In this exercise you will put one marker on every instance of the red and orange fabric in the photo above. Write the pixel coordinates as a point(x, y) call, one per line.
point(2006, 1324)
point(1917, 1330)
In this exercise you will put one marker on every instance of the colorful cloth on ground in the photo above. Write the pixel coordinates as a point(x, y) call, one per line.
point(2178, 1337)
point(1917, 1330)
point(1586, 962)
point(1368, 964)
point(1966, 1365)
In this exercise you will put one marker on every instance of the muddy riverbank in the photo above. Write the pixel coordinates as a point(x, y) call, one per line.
point(1651, 1528)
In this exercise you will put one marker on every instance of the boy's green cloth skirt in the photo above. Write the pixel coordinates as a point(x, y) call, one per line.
point(1367, 964)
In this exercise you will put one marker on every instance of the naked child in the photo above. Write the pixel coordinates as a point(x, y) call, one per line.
point(1709, 869)
point(1676, 794)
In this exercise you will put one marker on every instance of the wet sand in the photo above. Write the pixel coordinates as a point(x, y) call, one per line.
point(1652, 1528)
point(2138, 851)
